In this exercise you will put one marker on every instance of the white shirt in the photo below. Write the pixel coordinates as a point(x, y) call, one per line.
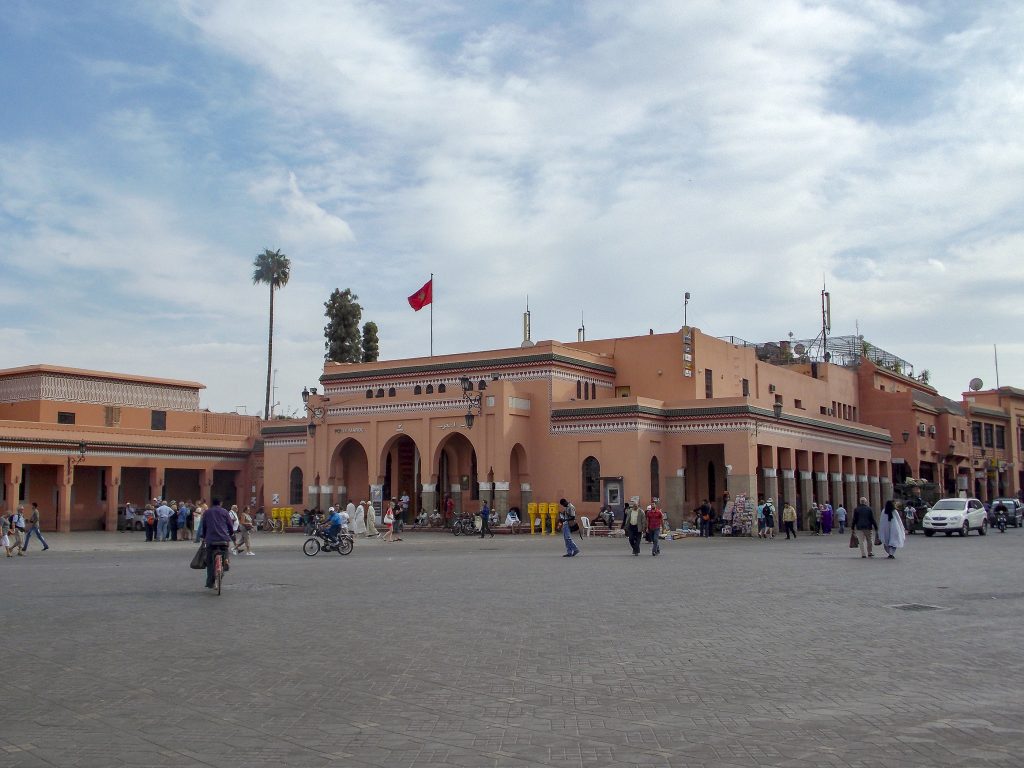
point(234, 519)
point(344, 520)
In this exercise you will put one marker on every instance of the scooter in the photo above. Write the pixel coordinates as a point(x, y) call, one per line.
point(1001, 521)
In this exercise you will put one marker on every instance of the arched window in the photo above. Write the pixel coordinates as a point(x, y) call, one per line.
point(591, 479)
point(593, 391)
point(369, 392)
point(417, 390)
point(380, 392)
point(441, 388)
point(391, 391)
point(430, 389)
point(579, 389)
point(482, 384)
point(655, 479)
point(295, 487)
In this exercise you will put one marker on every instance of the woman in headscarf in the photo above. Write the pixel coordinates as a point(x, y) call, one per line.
point(826, 518)
point(890, 529)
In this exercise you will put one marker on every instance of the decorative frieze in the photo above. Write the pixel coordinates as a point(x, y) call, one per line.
point(97, 391)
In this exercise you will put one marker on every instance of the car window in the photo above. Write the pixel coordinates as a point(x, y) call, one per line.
point(976, 505)
point(948, 505)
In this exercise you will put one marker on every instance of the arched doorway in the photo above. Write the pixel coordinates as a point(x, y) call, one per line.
point(400, 464)
point(350, 469)
point(456, 472)
point(518, 474)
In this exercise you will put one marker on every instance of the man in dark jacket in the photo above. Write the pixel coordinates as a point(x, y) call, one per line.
point(217, 535)
point(863, 525)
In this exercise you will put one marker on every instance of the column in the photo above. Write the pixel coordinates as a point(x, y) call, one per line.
point(874, 489)
point(771, 485)
point(113, 483)
point(526, 496)
point(821, 486)
point(205, 485)
point(673, 497)
point(430, 498)
point(485, 494)
point(740, 467)
point(862, 487)
point(886, 489)
point(836, 481)
point(788, 487)
point(806, 494)
point(501, 499)
point(12, 482)
point(65, 482)
point(850, 491)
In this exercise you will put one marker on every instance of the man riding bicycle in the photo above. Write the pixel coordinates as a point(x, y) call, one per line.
point(217, 535)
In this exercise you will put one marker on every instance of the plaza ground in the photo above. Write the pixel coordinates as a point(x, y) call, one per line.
point(444, 651)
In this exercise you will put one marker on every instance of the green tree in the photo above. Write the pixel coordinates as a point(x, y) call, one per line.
point(342, 340)
point(371, 343)
point(271, 268)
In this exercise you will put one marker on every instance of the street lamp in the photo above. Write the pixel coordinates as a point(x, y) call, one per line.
point(777, 408)
point(472, 401)
point(75, 460)
point(906, 436)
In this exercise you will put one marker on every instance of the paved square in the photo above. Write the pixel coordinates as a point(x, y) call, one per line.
point(444, 651)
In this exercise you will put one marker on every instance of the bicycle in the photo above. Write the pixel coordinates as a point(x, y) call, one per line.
point(268, 524)
point(218, 569)
point(465, 525)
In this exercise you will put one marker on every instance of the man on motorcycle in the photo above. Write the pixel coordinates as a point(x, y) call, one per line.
point(335, 522)
point(1001, 513)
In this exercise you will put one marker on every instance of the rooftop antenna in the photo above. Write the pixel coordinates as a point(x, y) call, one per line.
point(995, 352)
point(686, 303)
point(581, 332)
point(826, 321)
point(527, 342)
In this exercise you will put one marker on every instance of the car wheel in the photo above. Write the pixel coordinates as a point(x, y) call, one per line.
point(966, 529)
point(948, 533)
point(984, 528)
point(929, 533)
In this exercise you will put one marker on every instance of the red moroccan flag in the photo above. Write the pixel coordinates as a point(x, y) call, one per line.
point(423, 296)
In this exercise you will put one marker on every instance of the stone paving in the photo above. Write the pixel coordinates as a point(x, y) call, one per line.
point(444, 651)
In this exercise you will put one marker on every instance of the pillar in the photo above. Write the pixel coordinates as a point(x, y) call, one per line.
point(886, 489)
point(862, 487)
point(673, 498)
point(740, 467)
point(526, 496)
point(456, 492)
point(113, 483)
point(12, 482)
point(485, 493)
point(836, 482)
point(874, 493)
point(501, 499)
point(806, 492)
point(430, 498)
point(65, 481)
point(850, 491)
point(771, 485)
point(788, 487)
point(821, 486)
point(206, 487)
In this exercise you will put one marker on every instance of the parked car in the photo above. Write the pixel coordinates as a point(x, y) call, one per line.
point(951, 516)
point(1014, 512)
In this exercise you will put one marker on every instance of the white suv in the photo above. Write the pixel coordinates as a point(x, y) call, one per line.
point(956, 516)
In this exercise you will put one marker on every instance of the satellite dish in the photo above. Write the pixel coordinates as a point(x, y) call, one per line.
point(976, 384)
point(799, 349)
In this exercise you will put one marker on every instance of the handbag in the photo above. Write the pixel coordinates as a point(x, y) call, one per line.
point(199, 558)
point(853, 540)
point(878, 541)
point(573, 527)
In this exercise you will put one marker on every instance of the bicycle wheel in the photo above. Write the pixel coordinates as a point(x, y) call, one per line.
point(218, 570)
point(345, 545)
point(311, 547)
point(457, 528)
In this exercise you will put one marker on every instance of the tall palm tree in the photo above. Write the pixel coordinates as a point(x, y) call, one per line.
point(271, 268)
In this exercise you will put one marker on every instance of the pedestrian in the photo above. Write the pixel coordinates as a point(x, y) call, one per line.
point(183, 534)
point(704, 515)
point(863, 523)
point(163, 516)
point(32, 526)
point(567, 516)
point(910, 514)
point(826, 519)
point(814, 517)
point(129, 516)
point(655, 517)
point(789, 519)
point(769, 519)
point(172, 522)
point(7, 536)
point(635, 523)
point(197, 519)
point(17, 529)
point(149, 522)
point(245, 528)
point(216, 532)
point(890, 530)
point(389, 523)
point(485, 520)
point(371, 519)
point(235, 525)
point(356, 516)
point(841, 518)
point(760, 520)
point(404, 502)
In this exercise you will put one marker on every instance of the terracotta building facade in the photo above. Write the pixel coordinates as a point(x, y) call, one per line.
point(680, 417)
point(81, 443)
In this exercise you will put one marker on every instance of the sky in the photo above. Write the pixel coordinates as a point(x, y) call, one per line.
point(599, 159)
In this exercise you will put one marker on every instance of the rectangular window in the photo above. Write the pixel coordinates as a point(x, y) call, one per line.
point(65, 417)
point(158, 420)
point(622, 391)
point(798, 404)
point(111, 416)
point(976, 434)
point(746, 387)
point(989, 441)
point(709, 388)
point(1000, 437)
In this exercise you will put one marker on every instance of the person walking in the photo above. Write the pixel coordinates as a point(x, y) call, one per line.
point(7, 536)
point(769, 519)
point(32, 526)
point(655, 517)
point(704, 517)
point(789, 519)
point(841, 519)
point(890, 530)
point(814, 518)
point(17, 529)
point(635, 523)
point(216, 532)
point(183, 513)
point(389, 524)
point(355, 514)
point(863, 523)
point(567, 516)
point(826, 519)
point(245, 528)
point(371, 519)
point(172, 523)
point(485, 521)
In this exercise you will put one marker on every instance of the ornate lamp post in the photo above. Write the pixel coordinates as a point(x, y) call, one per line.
point(472, 401)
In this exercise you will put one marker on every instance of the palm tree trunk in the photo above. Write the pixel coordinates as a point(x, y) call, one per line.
point(270, 352)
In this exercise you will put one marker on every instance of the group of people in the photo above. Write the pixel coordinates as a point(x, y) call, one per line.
point(167, 520)
point(16, 531)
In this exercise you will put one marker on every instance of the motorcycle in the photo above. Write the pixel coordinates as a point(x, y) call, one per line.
point(343, 545)
point(1001, 521)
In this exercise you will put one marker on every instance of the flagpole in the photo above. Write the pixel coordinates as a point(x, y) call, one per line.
point(431, 314)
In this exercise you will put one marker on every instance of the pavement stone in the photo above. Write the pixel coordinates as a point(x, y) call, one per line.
point(444, 651)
